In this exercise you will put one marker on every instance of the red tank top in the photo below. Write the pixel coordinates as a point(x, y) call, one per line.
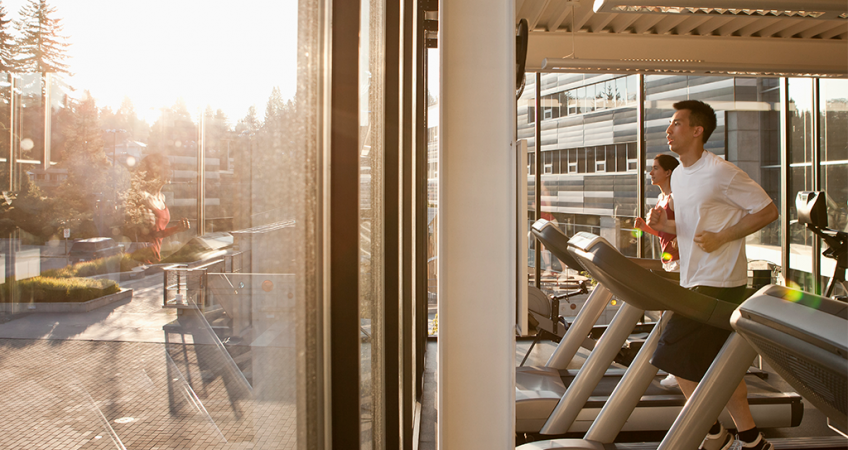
point(163, 217)
point(669, 252)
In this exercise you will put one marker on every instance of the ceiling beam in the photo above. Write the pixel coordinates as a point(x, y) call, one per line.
point(538, 9)
point(754, 27)
point(600, 21)
point(805, 55)
point(735, 25)
point(560, 16)
point(645, 23)
point(823, 27)
point(690, 24)
point(776, 27)
point(623, 22)
point(827, 6)
point(709, 26)
point(795, 29)
point(836, 32)
point(584, 13)
point(667, 23)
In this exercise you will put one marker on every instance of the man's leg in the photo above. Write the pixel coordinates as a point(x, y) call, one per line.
point(737, 406)
point(718, 437)
point(686, 386)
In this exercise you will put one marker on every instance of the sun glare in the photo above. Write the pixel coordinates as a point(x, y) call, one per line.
point(155, 52)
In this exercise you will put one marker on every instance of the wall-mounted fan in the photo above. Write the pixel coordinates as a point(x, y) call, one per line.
point(521, 31)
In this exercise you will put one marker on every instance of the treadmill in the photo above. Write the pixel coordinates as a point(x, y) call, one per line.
point(539, 389)
point(803, 336)
point(650, 291)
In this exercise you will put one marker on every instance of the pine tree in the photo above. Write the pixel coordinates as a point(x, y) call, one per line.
point(250, 123)
point(6, 43)
point(93, 184)
point(41, 48)
point(174, 133)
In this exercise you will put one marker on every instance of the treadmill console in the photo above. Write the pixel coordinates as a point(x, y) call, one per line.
point(812, 208)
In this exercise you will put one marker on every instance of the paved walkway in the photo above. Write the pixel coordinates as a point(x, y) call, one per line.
point(138, 320)
point(114, 379)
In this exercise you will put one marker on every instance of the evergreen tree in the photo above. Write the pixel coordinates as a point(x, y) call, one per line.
point(7, 43)
point(250, 123)
point(40, 46)
point(174, 133)
point(90, 193)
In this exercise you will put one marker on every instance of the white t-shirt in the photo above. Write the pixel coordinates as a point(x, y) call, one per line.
point(712, 195)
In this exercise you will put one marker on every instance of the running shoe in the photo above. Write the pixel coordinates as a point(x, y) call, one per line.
point(759, 444)
point(722, 440)
point(669, 382)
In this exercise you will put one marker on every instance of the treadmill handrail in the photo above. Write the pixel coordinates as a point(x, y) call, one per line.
point(657, 292)
point(555, 241)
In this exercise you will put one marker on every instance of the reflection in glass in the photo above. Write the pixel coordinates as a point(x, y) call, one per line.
point(833, 103)
point(111, 303)
point(527, 131)
point(371, 283)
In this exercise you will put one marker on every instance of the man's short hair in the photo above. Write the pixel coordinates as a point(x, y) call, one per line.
point(700, 115)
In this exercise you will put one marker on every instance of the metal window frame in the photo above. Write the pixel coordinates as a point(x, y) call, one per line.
point(343, 233)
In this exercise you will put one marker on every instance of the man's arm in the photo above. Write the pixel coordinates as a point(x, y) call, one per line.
point(749, 224)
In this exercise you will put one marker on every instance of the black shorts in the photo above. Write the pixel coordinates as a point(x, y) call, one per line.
point(687, 347)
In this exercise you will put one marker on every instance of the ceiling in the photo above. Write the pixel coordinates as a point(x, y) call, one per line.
point(774, 37)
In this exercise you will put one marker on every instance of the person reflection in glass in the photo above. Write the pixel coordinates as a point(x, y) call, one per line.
point(154, 172)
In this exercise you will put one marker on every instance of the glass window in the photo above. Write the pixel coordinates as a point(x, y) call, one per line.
point(584, 102)
point(600, 159)
point(621, 158)
point(371, 185)
point(600, 97)
point(571, 97)
point(527, 131)
point(833, 95)
point(632, 89)
point(589, 158)
point(563, 103)
point(764, 246)
point(621, 91)
point(572, 161)
point(199, 265)
point(800, 179)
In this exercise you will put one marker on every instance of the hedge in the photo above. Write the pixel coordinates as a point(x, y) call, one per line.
point(124, 262)
point(52, 290)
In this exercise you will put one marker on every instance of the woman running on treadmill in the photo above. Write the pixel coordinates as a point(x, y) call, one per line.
point(660, 174)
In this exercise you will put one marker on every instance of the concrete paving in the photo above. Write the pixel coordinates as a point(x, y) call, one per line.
point(130, 376)
point(138, 320)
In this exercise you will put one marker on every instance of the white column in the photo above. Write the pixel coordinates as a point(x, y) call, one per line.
point(476, 225)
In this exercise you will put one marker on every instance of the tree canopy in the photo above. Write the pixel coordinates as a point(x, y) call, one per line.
point(40, 46)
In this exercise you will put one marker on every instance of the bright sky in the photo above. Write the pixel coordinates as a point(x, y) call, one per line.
point(228, 55)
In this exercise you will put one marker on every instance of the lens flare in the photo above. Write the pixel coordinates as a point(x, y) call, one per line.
point(614, 302)
point(794, 294)
point(666, 256)
point(636, 233)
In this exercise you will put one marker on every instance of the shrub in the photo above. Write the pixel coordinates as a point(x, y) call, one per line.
point(48, 290)
point(45, 289)
point(123, 262)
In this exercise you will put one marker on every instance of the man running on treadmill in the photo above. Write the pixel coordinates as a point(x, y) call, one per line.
point(716, 206)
